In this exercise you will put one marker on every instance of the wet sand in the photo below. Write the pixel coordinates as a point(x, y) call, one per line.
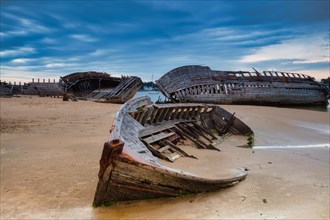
point(50, 152)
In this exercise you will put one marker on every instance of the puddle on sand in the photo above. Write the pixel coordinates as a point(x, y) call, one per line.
point(293, 146)
point(316, 127)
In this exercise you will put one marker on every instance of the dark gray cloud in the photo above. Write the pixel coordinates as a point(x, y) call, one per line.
point(151, 37)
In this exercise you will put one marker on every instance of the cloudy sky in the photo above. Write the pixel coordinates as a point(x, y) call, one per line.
point(48, 39)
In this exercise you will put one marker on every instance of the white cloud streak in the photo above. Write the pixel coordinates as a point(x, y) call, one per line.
point(83, 37)
point(21, 61)
point(17, 52)
point(305, 49)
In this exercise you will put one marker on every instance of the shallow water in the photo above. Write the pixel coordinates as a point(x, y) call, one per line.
point(154, 95)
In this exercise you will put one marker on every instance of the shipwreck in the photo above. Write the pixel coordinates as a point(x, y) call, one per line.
point(101, 86)
point(147, 138)
point(91, 85)
point(197, 83)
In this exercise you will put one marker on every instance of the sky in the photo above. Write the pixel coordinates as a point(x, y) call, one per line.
point(48, 39)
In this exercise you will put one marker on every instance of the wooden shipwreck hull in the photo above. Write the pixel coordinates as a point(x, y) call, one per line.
point(101, 86)
point(43, 89)
point(144, 133)
point(7, 89)
point(201, 84)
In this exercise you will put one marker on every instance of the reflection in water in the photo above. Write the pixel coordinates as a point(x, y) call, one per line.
point(313, 108)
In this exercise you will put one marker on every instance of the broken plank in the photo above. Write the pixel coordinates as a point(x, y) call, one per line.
point(155, 129)
point(162, 149)
point(178, 149)
point(157, 137)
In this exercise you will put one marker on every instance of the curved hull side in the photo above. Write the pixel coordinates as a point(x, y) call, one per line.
point(201, 84)
point(121, 178)
point(248, 99)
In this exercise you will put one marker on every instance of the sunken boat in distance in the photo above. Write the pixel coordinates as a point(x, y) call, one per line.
point(197, 83)
point(101, 86)
point(146, 136)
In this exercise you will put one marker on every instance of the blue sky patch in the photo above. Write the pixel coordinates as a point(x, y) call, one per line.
point(48, 39)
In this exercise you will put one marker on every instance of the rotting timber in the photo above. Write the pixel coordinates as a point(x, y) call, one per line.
point(197, 83)
point(143, 134)
point(90, 85)
point(8, 90)
point(101, 86)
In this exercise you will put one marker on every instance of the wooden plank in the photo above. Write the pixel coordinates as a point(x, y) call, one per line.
point(204, 130)
point(179, 116)
point(197, 141)
point(155, 129)
point(157, 137)
point(199, 132)
point(153, 115)
point(155, 152)
point(168, 114)
point(178, 149)
point(191, 133)
point(141, 115)
point(146, 116)
point(158, 116)
point(229, 123)
point(164, 114)
point(178, 105)
point(194, 140)
point(174, 115)
point(162, 149)
point(173, 156)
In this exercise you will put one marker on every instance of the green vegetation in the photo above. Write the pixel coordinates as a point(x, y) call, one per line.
point(250, 140)
point(149, 86)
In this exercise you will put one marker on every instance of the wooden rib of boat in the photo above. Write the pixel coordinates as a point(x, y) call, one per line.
point(197, 83)
point(144, 134)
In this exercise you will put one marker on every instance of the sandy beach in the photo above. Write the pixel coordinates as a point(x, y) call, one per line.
point(50, 152)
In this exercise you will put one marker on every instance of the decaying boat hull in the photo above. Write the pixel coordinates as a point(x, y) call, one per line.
point(122, 178)
point(101, 86)
point(143, 132)
point(201, 84)
point(254, 99)
point(121, 93)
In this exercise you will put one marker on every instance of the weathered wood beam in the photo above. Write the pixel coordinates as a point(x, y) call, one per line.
point(178, 149)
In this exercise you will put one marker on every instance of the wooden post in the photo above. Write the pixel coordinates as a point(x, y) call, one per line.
point(111, 150)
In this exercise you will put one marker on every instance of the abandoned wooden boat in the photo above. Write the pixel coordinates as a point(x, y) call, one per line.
point(197, 83)
point(145, 134)
point(101, 86)
point(43, 88)
point(8, 89)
